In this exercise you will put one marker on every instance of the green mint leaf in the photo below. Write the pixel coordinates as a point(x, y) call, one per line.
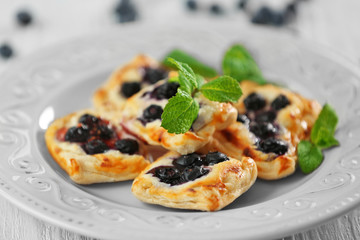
point(222, 89)
point(200, 80)
point(187, 77)
point(174, 79)
point(309, 155)
point(195, 64)
point(179, 113)
point(239, 64)
point(322, 133)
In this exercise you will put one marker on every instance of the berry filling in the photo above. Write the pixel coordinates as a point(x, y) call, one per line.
point(130, 88)
point(151, 113)
point(260, 117)
point(96, 135)
point(153, 75)
point(187, 168)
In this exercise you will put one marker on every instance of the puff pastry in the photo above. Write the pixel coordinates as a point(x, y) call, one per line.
point(140, 72)
point(212, 116)
point(288, 123)
point(110, 165)
point(213, 187)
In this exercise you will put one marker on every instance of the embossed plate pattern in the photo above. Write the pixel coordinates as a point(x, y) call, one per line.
point(60, 80)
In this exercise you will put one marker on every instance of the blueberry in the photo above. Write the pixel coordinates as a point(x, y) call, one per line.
point(280, 102)
point(130, 88)
point(152, 113)
point(192, 173)
point(23, 18)
point(243, 119)
point(153, 75)
point(128, 146)
point(88, 121)
point(242, 4)
point(273, 145)
point(167, 174)
point(277, 18)
point(267, 116)
point(263, 130)
point(125, 11)
point(104, 132)
point(166, 90)
point(6, 51)
point(191, 5)
point(187, 160)
point(254, 102)
point(77, 134)
point(262, 16)
point(95, 146)
point(216, 9)
point(215, 157)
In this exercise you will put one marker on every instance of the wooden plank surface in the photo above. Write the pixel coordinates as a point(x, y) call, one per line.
point(333, 23)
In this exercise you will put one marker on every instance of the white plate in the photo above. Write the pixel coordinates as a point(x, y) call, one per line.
point(60, 80)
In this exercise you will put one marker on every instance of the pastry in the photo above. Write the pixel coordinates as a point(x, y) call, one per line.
point(207, 182)
point(270, 124)
point(92, 149)
point(126, 81)
point(142, 118)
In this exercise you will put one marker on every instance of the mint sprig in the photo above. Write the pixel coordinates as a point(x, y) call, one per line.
point(222, 89)
point(322, 136)
point(182, 110)
point(196, 65)
point(239, 64)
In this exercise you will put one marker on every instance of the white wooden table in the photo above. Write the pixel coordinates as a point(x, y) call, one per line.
point(331, 23)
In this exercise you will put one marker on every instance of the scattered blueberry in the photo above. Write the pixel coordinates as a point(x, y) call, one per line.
point(243, 119)
point(266, 116)
point(77, 134)
point(263, 130)
point(280, 102)
point(104, 132)
point(215, 157)
point(6, 51)
point(152, 113)
point(262, 16)
point(273, 145)
point(254, 102)
point(191, 5)
point(129, 146)
point(125, 11)
point(95, 146)
point(130, 88)
point(166, 90)
point(23, 18)
point(242, 4)
point(216, 9)
point(153, 75)
point(187, 160)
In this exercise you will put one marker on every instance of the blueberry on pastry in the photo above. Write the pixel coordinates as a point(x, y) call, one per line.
point(206, 182)
point(271, 122)
point(128, 80)
point(92, 149)
point(142, 117)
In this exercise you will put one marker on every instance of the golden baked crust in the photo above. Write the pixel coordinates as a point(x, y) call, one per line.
point(108, 96)
point(222, 185)
point(212, 116)
point(82, 168)
point(295, 122)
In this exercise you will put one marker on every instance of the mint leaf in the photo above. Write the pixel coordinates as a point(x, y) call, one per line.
point(174, 79)
point(195, 64)
point(222, 89)
point(179, 113)
point(322, 133)
point(310, 156)
point(187, 77)
point(239, 64)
